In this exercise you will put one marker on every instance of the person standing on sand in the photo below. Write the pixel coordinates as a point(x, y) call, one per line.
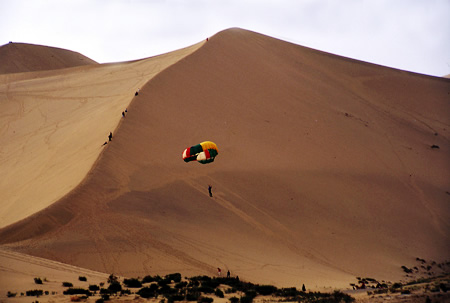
point(219, 271)
point(228, 274)
point(209, 190)
point(110, 136)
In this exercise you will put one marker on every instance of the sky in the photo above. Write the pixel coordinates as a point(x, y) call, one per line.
point(412, 35)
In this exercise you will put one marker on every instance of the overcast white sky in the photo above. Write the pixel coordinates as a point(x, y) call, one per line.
point(412, 35)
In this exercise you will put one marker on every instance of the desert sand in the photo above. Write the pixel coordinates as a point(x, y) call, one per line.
point(328, 168)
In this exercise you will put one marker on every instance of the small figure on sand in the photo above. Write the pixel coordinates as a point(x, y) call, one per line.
point(219, 271)
point(110, 136)
point(123, 114)
point(105, 143)
point(228, 274)
point(137, 92)
point(209, 190)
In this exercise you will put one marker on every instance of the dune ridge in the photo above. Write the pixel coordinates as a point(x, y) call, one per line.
point(325, 172)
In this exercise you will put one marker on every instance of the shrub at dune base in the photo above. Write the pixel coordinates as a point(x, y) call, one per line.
point(67, 284)
point(115, 287)
point(219, 293)
point(94, 287)
point(132, 283)
point(147, 292)
point(77, 291)
point(176, 277)
point(234, 300)
point(11, 294)
point(194, 290)
point(35, 292)
point(266, 290)
point(150, 279)
point(192, 295)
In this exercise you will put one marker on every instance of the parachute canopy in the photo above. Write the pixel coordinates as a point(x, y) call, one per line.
point(204, 152)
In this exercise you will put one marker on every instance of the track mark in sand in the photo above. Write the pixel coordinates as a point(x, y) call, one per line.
point(228, 205)
point(280, 232)
point(269, 219)
point(435, 219)
point(411, 182)
point(136, 243)
point(51, 264)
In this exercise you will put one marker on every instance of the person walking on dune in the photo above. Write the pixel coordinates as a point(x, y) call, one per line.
point(209, 190)
point(110, 136)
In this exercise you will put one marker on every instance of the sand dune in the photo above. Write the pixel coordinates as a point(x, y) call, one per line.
point(326, 168)
point(22, 57)
point(53, 125)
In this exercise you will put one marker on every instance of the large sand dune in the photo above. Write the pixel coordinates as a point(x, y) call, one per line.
point(325, 171)
point(53, 125)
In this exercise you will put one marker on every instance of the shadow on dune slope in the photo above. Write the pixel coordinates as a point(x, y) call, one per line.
point(324, 172)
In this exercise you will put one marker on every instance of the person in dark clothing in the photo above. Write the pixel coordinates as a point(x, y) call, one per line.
point(228, 274)
point(110, 136)
point(209, 190)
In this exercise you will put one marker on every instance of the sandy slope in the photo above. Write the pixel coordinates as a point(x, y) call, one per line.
point(325, 171)
point(19, 270)
point(22, 57)
point(53, 125)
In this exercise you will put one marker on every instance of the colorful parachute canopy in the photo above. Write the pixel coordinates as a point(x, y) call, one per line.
point(204, 152)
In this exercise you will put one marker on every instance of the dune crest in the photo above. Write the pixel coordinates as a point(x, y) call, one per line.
point(326, 171)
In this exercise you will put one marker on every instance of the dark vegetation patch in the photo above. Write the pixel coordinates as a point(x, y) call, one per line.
point(77, 291)
point(67, 284)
